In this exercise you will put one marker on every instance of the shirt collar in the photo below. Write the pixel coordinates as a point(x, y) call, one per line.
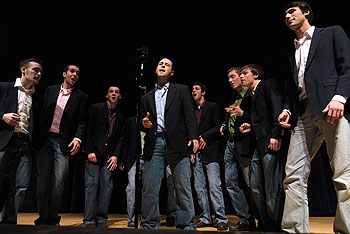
point(253, 91)
point(166, 86)
point(65, 91)
point(19, 85)
point(307, 35)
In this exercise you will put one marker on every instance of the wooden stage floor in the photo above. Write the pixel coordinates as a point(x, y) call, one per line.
point(317, 224)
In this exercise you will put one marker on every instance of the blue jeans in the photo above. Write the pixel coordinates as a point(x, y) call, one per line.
point(267, 173)
point(172, 207)
point(52, 171)
point(17, 150)
point(152, 178)
point(22, 183)
point(234, 184)
point(212, 170)
point(97, 201)
point(131, 191)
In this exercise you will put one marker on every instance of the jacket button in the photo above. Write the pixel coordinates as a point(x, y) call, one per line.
point(106, 144)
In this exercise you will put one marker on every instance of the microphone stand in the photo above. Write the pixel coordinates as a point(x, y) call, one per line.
point(143, 57)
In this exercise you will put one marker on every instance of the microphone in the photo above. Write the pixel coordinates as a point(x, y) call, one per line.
point(142, 54)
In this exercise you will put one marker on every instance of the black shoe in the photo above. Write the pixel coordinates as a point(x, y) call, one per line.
point(170, 221)
point(102, 225)
point(239, 227)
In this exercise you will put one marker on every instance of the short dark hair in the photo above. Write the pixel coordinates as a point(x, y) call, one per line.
point(65, 69)
point(25, 62)
point(303, 6)
point(236, 69)
point(256, 69)
point(203, 87)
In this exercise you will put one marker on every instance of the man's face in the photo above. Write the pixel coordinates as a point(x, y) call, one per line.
point(247, 77)
point(32, 72)
point(294, 17)
point(164, 68)
point(113, 95)
point(234, 80)
point(197, 92)
point(71, 76)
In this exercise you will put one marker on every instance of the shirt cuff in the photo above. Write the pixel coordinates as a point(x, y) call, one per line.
point(339, 98)
point(286, 110)
point(76, 138)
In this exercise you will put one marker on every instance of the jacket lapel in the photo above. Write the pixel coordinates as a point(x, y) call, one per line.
point(152, 101)
point(70, 101)
point(204, 112)
point(314, 44)
point(170, 96)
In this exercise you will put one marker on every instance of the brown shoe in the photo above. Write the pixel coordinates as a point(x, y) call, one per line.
point(201, 224)
point(222, 226)
point(131, 224)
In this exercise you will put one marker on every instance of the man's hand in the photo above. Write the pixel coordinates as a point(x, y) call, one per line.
point(283, 119)
point(222, 129)
point(146, 122)
point(245, 128)
point(193, 159)
point(195, 144)
point(275, 144)
point(11, 119)
point(121, 166)
point(334, 110)
point(202, 142)
point(76, 146)
point(113, 163)
point(92, 157)
point(234, 109)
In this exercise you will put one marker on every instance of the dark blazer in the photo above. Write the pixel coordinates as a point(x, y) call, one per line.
point(209, 129)
point(244, 143)
point(73, 122)
point(266, 107)
point(132, 143)
point(180, 121)
point(9, 104)
point(327, 72)
point(98, 140)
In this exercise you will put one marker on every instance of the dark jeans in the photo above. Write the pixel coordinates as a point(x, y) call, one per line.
point(23, 173)
point(10, 157)
point(97, 201)
point(52, 171)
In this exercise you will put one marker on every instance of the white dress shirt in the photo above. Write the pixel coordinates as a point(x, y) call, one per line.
point(23, 107)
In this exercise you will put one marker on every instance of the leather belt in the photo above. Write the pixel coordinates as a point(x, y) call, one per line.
point(20, 135)
point(161, 134)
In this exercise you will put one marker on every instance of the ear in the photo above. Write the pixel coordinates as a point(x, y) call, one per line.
point(172, 72)
point(23, 68)
point(203, 93)
point(307, 13)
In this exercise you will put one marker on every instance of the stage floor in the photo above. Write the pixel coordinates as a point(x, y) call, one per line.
point(317, 224)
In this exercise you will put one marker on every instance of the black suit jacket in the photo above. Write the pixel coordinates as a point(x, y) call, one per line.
point(132, 143)
point(9, 104)
point(327, 72)
point(98, 139)
point(180, 122)
point(266, 107)
point(73, 122)
point(244, 143)
point(209, 129)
